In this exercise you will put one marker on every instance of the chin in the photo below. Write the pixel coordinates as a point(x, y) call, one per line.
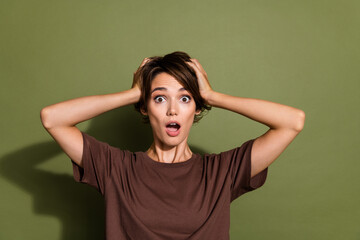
point(173, 141)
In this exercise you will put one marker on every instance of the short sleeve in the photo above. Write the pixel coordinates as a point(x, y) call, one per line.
point(96, 161)
point(240, 170)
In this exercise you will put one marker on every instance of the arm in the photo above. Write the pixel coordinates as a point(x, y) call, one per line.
point(60, 119)
point(285, 122)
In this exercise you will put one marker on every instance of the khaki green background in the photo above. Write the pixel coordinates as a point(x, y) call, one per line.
point(304, 54)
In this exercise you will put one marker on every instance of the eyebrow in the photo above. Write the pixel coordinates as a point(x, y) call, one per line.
point(163, 88)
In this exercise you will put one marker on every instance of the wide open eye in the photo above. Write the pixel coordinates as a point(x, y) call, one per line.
point(185, 99)
point(159, 99)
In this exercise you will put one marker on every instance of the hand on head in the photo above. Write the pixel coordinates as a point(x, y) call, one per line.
point(203, 82)
point(137, 77)
point(204, 85)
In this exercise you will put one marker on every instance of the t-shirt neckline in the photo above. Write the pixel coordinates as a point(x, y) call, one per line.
point(163, 164)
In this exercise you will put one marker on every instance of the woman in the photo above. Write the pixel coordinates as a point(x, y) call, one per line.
point(169, 192)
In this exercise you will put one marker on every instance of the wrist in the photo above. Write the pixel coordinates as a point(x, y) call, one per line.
point(135, 94)
point(209, 97)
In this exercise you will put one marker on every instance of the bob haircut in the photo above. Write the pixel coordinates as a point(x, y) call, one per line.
point(175, 65)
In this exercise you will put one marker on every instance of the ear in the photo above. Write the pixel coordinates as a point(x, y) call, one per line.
point(143, 111)
point(198, 112)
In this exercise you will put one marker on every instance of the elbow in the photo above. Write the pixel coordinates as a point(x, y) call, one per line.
point(300, 121)
point(44, 116)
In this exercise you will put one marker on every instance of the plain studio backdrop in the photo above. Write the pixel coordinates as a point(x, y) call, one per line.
point(303, 54)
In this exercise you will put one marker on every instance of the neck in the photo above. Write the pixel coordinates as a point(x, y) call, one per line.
point(169, 154)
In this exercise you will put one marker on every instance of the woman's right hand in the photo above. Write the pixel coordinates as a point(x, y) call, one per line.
point(137, 81)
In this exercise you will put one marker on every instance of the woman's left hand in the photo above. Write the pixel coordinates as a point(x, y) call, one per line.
point(204, 85)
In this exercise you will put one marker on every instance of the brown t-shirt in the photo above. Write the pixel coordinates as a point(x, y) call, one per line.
point(145, 199)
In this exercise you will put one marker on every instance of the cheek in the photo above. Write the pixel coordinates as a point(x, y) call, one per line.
point(189, 113)
point(156, 115)
point(156, 111)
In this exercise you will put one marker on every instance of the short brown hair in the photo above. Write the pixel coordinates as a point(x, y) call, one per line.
point(175, 65)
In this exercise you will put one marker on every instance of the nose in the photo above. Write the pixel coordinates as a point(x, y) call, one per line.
point(172, 108)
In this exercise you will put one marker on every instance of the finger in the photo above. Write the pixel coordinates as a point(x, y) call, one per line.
point(197, 63)
point(192, 64)
point(194, 67)
point(144, 61)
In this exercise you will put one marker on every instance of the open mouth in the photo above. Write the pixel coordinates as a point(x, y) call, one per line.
point(173, 127)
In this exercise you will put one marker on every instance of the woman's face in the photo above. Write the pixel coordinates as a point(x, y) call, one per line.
point(171, 110)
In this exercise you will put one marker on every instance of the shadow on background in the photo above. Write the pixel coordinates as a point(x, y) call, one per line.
point(80, 209)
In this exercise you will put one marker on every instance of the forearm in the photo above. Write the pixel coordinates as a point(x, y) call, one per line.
point(274, 115)
point(74, 111)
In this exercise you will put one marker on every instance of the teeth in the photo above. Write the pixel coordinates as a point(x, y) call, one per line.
point(173, 125)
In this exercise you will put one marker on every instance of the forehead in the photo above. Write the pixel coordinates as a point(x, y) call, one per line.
point(165, 80)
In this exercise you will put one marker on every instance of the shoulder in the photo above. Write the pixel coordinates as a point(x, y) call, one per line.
point(96, 146)
point(225, 154)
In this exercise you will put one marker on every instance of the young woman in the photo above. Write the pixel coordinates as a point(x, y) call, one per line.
point(169, 192)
